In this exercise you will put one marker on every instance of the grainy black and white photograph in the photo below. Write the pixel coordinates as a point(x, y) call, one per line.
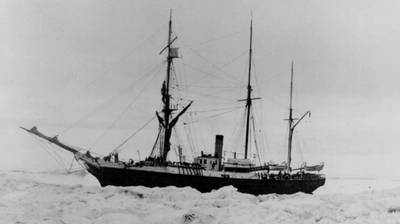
point(191, 112)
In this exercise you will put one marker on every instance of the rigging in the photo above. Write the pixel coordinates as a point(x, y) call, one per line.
point(118, 148)
point(111, 99)
point(126, 109)
point(216, 38)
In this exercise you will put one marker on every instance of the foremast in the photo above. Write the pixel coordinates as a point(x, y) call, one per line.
point(166, 121)
point(292, 124)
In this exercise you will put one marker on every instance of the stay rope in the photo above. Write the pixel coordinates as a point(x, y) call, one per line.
point(46, 147)
point(118, 148)
point(122, 113)
point(255, 137)
point(112, 98)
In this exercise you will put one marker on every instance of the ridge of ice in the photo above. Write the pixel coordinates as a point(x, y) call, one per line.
point(27, 197)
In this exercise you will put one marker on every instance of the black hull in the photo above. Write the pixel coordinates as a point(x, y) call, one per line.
point(136, 177)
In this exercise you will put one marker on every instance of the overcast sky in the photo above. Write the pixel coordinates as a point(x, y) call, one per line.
point(73, 67)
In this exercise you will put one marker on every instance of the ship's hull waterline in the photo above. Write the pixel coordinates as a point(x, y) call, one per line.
point(117, 176)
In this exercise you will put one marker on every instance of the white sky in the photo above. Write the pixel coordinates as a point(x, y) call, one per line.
point(60, 60)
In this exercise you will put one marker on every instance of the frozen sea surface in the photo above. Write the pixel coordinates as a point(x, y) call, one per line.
point(27, 197)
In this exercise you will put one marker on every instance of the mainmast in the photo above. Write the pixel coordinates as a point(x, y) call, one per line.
point(249, 89)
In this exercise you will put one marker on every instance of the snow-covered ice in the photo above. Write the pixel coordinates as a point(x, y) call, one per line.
point(27, 197)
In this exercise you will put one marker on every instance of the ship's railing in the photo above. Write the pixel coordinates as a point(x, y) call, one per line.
point(292, 176)
point(283, 168)
point(268, 168)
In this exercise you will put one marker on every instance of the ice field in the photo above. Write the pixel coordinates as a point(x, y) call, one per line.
point(57, 197)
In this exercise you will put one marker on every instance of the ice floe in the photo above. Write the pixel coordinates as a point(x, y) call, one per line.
point(77, 198)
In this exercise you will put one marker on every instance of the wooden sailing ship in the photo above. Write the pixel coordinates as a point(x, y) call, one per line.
point(206, 172)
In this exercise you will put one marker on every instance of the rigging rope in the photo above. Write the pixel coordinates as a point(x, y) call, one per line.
point(255, 136)
point(259, 90)
point(189, 138)
point(215, 87)
point(229, 77)
point(215, 97)
point(218, 109)
point(238, 133)
point(72, 162)
point(219, 68)
point(137, 81)
point(122, 113)
point(159, 137)
point(206, 74)
point(107, 72)
point(217, 38)
point(233, 135)
point(45, 146)
point(178, 143)
point(117, 149)
point(123, 58)
point(264, 142)
point(215, 115)
point(53, 152)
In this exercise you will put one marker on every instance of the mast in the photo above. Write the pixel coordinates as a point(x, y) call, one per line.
point(166, 96)
point(249, 89)
point(167, 122)
point(291, 128)
point(291, 120)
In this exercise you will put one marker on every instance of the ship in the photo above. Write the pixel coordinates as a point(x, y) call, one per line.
point(207, 172)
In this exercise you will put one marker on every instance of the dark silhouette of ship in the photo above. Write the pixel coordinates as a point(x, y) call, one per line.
point(208, 171)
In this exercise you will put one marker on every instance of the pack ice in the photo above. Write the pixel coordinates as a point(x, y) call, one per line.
point(27, 197)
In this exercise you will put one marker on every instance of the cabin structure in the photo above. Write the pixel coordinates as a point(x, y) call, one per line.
point(238, 165)
point(209, 161)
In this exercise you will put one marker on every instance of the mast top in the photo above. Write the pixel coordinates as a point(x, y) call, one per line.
point(170, 16)
point(291, 86)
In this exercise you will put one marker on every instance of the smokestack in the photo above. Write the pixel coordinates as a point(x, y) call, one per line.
point(219, 143)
